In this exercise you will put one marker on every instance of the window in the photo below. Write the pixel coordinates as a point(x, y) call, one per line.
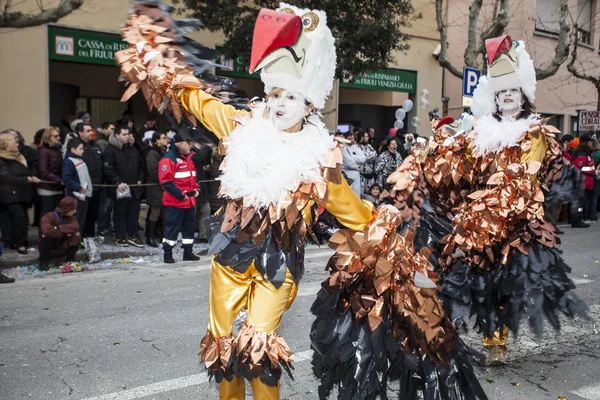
point(101, 109)
point(547, 16)
point(584, 21)
point(556, 120)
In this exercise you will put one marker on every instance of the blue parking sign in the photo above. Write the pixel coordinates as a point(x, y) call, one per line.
point(470, 80)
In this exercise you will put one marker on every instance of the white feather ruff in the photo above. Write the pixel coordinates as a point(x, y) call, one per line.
point(264, 164)
point(493, 135)
point(316, 80)
point(484, 97)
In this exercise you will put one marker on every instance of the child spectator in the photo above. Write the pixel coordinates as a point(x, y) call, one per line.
point(76, 179)
point(60, 233)
point(374, 195)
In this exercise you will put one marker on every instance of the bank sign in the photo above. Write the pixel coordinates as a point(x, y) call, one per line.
point(393, 80)
point(87, 47)
point(589, 121)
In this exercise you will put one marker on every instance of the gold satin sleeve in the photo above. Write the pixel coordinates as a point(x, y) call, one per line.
point(537, 152)
point(307, 213)
point(345, 205)
point(216, 116)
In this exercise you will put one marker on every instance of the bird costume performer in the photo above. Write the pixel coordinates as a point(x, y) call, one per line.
point(279, 161)
point(473, 220)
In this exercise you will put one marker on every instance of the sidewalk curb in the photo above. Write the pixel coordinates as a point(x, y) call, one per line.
point(11, 259)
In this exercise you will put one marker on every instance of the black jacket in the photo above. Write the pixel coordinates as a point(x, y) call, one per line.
point(138, 136)
point(49, 167)
point(14, 187)
point(123, 165)
point(92, 155)
point(154, 194)
point(202, 158)
point(32, 158)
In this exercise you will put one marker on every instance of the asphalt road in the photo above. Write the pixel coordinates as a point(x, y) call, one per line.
point(134, 334)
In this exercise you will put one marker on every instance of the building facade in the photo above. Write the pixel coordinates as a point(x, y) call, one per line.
point(537, 23)
point(52, 71)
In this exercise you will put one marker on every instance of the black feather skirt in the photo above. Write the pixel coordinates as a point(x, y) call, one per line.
point(532, 286)
point(362, 362)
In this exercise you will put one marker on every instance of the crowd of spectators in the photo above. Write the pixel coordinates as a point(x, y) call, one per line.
point(584, 153)
point(366, 168)
point(81, 180)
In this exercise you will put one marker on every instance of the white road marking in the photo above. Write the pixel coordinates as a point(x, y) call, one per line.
point(154, 388)
point(175, 384)
point(581, 281)
point(591, 392)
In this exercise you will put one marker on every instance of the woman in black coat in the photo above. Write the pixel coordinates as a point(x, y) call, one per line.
point(16, 192)
point(154, 193)
point(50, 162)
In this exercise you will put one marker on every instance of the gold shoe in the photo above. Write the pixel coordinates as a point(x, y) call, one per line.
point(497, 356)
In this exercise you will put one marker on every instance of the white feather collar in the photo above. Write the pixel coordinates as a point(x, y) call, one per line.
point(493, 135)
point(264, 164)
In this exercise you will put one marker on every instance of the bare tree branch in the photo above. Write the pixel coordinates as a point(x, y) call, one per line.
point(443, 56)
point(493, 27)
point(562, 47)
point(20, 20)
point(6, 7)
point(496, 8)
point(496, 28)
point(471, 51)
point(595, 80)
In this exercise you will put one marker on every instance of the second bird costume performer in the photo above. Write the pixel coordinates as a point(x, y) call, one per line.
point(472, 220)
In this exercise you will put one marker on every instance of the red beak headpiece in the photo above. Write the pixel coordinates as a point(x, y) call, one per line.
point(273, 30)
point(496, 46)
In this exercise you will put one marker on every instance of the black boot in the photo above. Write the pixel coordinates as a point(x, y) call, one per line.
point(580, 224)
point(43, 265)
point(168, 256)
point(6, 279)
point(71, 254)
point(188, 255)
point(151, 226)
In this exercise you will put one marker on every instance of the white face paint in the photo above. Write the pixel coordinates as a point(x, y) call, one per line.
point(509, 101)
point(286, 109)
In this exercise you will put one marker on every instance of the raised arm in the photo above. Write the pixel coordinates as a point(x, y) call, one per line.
point(344, 204)
point(214, 115)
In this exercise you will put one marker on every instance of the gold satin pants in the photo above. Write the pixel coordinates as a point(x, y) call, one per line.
point(230, 292)
point(499, 338)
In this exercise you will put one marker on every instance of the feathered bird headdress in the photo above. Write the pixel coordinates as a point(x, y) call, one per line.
point(294, 50)
point(509, 67)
